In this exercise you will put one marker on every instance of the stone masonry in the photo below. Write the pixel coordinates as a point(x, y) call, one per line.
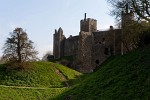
point(91, 47)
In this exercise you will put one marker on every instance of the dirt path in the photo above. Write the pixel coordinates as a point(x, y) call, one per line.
point(58, 72)
point(62, 76)
point(23, 87)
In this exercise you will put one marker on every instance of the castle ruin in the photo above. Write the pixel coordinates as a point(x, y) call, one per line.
point(91, 47)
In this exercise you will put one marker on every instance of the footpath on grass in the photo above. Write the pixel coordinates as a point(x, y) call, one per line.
point(58, 72)
point(23, 87)
point(62, 76)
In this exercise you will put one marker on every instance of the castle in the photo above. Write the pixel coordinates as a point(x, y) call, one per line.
point(91, 47)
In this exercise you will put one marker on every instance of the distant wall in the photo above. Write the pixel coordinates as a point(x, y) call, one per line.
point(102, 47)
point(105, 44)
point(71, 45)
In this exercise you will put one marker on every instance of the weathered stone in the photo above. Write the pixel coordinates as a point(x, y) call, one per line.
point(91, 47)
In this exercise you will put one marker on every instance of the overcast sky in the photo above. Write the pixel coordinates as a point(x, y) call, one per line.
point(40, 17)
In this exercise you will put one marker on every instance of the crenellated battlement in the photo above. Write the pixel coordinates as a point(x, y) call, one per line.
point(88, 25)
point(88, 20)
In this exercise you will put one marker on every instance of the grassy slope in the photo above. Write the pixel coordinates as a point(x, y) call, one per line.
point(73, 77)
point(42, 74)
point(121, 78)
point(8, 93)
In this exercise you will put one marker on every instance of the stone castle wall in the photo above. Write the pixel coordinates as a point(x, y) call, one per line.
point(71, 45)
point(91, 47)
point(105, 44)
point(101, 46)
point(84, 52)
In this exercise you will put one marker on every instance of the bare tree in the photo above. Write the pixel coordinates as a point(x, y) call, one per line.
point(141, 8)
point(18, 48)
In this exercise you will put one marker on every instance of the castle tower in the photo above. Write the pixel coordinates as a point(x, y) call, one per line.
point(88, 25)
point(84, 55)
point(127, 20)
point(127, 17)
point(58, 46)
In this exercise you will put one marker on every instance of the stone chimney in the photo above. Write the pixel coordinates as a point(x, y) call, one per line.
point(111, 28)
point(85, 16)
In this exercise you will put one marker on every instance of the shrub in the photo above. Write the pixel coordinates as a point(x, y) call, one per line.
point(144, 38)
point(18, 66)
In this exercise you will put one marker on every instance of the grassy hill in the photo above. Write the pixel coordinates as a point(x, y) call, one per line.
point(13, 93)
point(119, 78)
point(42, 74)
point(124, 77)
point(41, 82)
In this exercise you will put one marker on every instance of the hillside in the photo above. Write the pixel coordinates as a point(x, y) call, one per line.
point(124, 77)
point(42, 74)
point(14, 93)
point(119, 78)
point(44, 81)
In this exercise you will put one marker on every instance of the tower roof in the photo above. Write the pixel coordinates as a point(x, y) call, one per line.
point(60, 30)
point(85, 16)
point(55, 31)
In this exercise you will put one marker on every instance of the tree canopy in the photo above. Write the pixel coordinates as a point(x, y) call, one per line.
point(18, 47)
point(141, 8)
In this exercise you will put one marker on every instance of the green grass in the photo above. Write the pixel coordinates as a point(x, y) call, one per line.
point(124, 77)
point(68, 58)
point(40, 82)
point(9, 93)
point(42, 74)
point(73, 76)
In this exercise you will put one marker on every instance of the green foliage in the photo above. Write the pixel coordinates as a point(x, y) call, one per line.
point(144, 39)
point(12, 93)
point(42, 74)
point(72, 76)
point(124, 77)
point(119, 78)
point(131, 33)
point(69, 73)
point(65, 58)
point(68, 58)
point(66, 61)
point(35, 83)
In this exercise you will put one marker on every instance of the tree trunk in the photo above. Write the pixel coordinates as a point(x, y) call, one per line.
point(19, 48)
